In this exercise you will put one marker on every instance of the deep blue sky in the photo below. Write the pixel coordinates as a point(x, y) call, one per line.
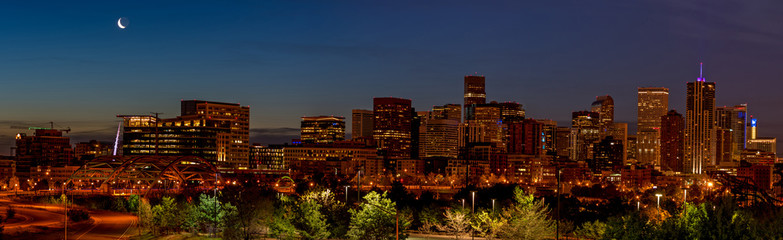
point(71, 64)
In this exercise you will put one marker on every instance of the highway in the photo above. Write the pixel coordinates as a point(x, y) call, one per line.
point(47, 221)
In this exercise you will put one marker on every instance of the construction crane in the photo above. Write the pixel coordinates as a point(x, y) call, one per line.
point(51, 126)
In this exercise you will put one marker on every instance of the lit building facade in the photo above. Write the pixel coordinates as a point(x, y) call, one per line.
point(448, 111)
point(91, 149)
point(584, 134)
point(736, 120)
point(47, 147)
point(652, 104)
point(699, 126)
point(766, 144)
point(181, 136)
point(604, 106)
point(392, 128)
point(672, 141)
point(267, 157)
point(361, 123)
point(474, 94)
point(440, 138)
point(235, 145)
point(322, 129)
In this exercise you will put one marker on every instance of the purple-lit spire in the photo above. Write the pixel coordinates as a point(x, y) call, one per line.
point(701, 70)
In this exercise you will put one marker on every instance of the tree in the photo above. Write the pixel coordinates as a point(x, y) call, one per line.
point(455, 222)
point(429, 218)
point(488, 224)
point(133, 203)
point(212, 213)
point(145, 214)
point(335, 212)
point(375, 219)
point(528, 218)
point(591, 230)
point(281, 225)
point(164, 215)
point(310, 223)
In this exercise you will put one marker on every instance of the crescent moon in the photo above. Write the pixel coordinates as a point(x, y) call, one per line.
point(119, 23)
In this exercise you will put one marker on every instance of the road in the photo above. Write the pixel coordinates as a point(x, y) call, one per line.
point(47, 221)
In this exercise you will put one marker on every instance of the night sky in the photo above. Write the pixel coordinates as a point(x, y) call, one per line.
point(73, 65)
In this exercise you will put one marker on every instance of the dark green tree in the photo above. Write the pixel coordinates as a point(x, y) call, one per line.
point(375, 219)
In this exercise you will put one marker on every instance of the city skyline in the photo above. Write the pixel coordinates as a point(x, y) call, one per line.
point(58, 72)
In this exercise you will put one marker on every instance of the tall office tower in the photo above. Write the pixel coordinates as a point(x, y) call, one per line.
point(322, 129)
point(448, 111)
point(549, 129)
point(604, 106)
point(486, 125)
point(652, 104)
point(699, 125)
point(439, 138)
point(237, 142)
point(417, 121)
point(767, 144)
point(736, 119)
point(361, 123)
point(584, 130)
point(534, 137)
point(563, 142)
point(608, 155)
point(47, 147)
point(392, 129)
point(619, 132)
point(752, 124)
point(631, 150)
point(672, 140)
point(474, 94)
point(723, 145)
point(510, 111)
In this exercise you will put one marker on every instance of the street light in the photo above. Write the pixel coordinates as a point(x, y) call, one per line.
point(493, 205)
point(473, 202)
point(659, 199)
point(346, 193)
point(463, 204)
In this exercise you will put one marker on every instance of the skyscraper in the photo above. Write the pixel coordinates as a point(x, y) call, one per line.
point(736, 120)
point(652, 104)
point(584, 129)
point(619, 132)
point(322, 129)
point(699, 125)
point(392, 128)
point(361, 123)
point(604, 106)
point(474, 94)
point(672, 134)
point(439, 138)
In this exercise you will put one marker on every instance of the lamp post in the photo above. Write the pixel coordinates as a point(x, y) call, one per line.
point(463, 204)
point(659, 202)
point(473, 201)
point(493, 205)
point(346, 193)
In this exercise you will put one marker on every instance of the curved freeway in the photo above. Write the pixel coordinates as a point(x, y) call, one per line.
point(46, 222)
